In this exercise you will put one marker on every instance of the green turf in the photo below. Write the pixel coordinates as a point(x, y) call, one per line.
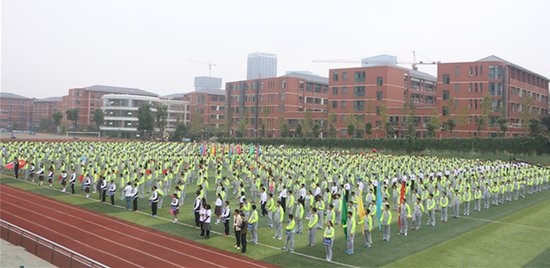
point(445, 241)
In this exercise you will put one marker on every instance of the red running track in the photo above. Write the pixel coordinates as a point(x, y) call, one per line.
point(114, 242)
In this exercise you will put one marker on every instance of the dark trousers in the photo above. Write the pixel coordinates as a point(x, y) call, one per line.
point(202, 228)
point(238, 238)
point(264, 211)
point(243, 243)
point(154, 208)
point(112, 199)
point(197, 222)
point(16, 172)
point(135, 203)
point(103, 193)
point(283, 204)
point(72, 188)
point(226, 226)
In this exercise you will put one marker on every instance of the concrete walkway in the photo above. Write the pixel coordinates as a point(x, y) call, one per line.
point(14, 256)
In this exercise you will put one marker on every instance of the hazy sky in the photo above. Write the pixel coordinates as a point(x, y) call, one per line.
point(49, 46)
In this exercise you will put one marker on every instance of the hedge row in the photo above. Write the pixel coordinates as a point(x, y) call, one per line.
point(523, 145)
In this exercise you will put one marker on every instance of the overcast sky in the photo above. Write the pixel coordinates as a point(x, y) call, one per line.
point(49, 46)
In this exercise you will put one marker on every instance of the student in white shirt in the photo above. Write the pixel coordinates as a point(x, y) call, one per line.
point(225, 218)
point(175, 207)
point(112, 191)
point(128, 194)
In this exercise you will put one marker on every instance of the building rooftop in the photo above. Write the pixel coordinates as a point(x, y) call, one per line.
point(50, 99)
point(174, 96)
point(210, 91)
point(499, 59)
point(6, 95)
point(422, 75)
point(120, 90)
point(308, 76)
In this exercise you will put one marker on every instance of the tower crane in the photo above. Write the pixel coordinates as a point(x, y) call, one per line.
point(414, 64)
point(210, 65)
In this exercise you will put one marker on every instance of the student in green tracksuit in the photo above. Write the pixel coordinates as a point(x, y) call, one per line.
point(299, 215)
point(418, 210)
point(466, 199)
point(431, 210)
point(368, 229)
point(290, 234)
point(477, 199)
point(253, 222)
point(328, 240)
point(404, 216)
point(444, 203)
point(312, 226)
point(350, 235)
point(385, 219)
point(456, 204)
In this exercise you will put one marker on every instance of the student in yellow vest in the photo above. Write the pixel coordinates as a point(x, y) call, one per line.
point(312, 227)
point(404, 217)
point(299, 215)
point(368, 229)
point(431, 210)
point(290, 234)
point(350, 233)
point(253, 222)
point(444, 203)
point(385, 219)
point(328, 240)
point(466, 200)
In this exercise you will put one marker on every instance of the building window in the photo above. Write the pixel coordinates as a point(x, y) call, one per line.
point(446, 79)
point(334, 104)
point(359, 106)
point(344, 90)
point(495, 72)
point(344, 104)
point(335, 91)
point(359, 91)
point(335, 76)
point(378, 110)
point(445, 111)
point(445, 94)
point(379, 80)
point(359, 76)
point(457, 71)
point(378, 95)
point(344, 76)
point(457, 87)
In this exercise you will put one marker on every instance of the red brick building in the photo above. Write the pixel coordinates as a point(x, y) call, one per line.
point(209, 104)
point(274, 107)
point(43, 109)
point(87, 99)
point(15, 111)
point(483, 95)
point(378, 97)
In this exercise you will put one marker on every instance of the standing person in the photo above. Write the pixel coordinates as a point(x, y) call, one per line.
point(16, 168)
point(218, 208)
point(202, 214)
point(477, 199)
point(385, 219)
point(290, 234)
point(225, 218)
point(32, 171)
point(103, 189)
point(467, 198)
point(64, 181)
point(128, 194)
point(253, 224)
point(86, 184)
point(418, 210)
point(50, 176)
point(431, 210)
point(244, 227)
point(135, 193)
point(312, 227)
point(405, 215)
point(368, 229)
point(154, 199)
point(72, 180)
point(41, 175)
point(206, 222)
point(456, 204)
point(197, 208)
point(350, 233)
point(320, 205)
point(278, 220)
point(270, 209)
point(263, 201)
point(237, 222)
point(112, 191)
point(175, 207)
point(299, 215)
point(444, 203)
point(328, 240)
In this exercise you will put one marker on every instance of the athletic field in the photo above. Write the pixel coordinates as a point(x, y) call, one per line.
point(511, 235)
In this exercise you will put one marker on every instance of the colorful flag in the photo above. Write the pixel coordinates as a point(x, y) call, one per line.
point(378, 203)
point(401, 197)
point(361, 211)
point(345, 214)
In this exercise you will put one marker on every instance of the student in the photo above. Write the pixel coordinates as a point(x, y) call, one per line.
point(278, 220)
point(253, 224)
point(368, 229)
point(431, 210)
point(350, 233)
point(444, 203)
point(135, 193)
point(467, 198)
point(32, 172)
point(312, 227)
point(175, 207)
point(328, 240)
point(86, 184)
point(112, 191)
point(290, 234)
point(64, 181)
point(270, 206)
point(197, 208)
point(320, 205)
point(418, 210)
point(225, 218)
point(16, 168)
point(263, 201)
point(456, 204)
point(299, 215)
point(154, 199)
point(202, 213)
point(207, 219)
point(41, 175)
point(244, 227)
point(237, 223)
point(50, 176)
point(128, 194)
point(218, 208)
point(103, 189)
point(405, 216)
point(72, 180)
point(385, 219)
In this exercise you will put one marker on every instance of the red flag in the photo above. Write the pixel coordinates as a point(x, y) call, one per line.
point(80, 178)
point(22, 163)
point(401, 201)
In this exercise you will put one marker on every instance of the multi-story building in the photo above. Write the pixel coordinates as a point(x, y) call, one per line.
point(269, 107)
point(87, 99)
point(209, 105)
point(43, 109)
point(121, 113)
point(261, 65)
point(378, 97)
point(207, 82)
point(15, 111)
point(490, 97)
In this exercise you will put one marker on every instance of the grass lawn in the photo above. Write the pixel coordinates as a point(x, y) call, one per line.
point(515, 240)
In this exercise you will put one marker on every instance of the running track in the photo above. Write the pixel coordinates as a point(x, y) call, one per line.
point(112, 241)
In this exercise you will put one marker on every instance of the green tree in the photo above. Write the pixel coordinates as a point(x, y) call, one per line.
point(433, 124)
point(181, 131)
point(285, 131)
point(298, 130)
point(351, 130)
point(486, 107)
point(410, 110)
point(480, 123)
point(72, 115)
point(161, 118)
point(146, 121)
point(451, 124)
point(503, 125)
point(99, 118)
point(197, 125)
point(332, 131)
point(526, 104)
point(308, 124)
point(57, 116)
point(545, 120)
point(368, 128)
point(534, 127)
point(262, 130)
point(316, 131)
point(46, 124)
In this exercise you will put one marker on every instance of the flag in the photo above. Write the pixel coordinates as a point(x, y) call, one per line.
point(257, 150)
point(345, 214)
point(401, 197)
point(361, 210)
point(213, 151)
point(378, 203)
point(201, 150)
point(251, 151)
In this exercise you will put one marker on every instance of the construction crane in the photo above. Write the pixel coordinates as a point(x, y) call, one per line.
point(210, 65)
point(414, 64)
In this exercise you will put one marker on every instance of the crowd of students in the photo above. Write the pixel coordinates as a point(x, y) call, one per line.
point(294, 188)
